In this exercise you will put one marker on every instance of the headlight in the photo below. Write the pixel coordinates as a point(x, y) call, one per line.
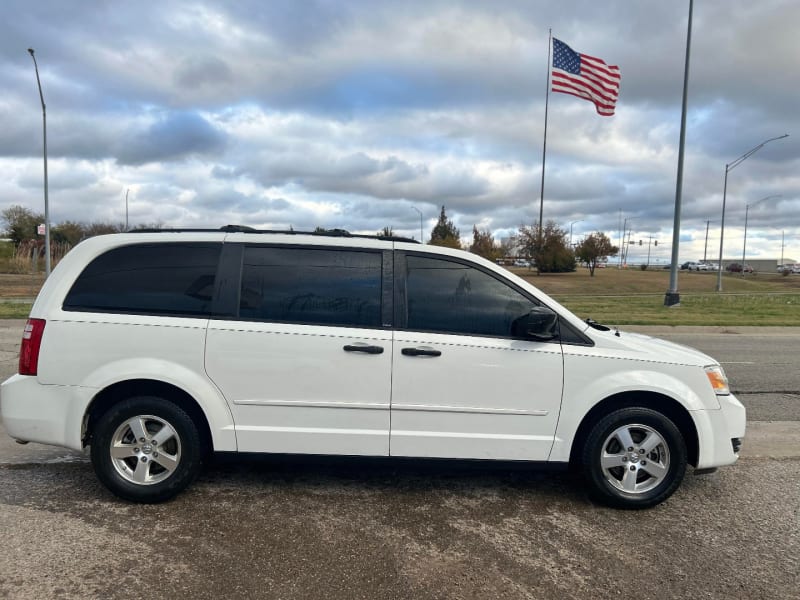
point(718, 380)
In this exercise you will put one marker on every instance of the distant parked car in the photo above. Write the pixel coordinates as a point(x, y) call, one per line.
point(789, 268)
point(737, 268)
point(711, 266)
point(698, 266)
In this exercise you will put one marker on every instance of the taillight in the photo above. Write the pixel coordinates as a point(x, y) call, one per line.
point(29, 350)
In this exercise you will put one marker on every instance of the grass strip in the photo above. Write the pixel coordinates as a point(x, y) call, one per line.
point(15, 310)
point(695, 309)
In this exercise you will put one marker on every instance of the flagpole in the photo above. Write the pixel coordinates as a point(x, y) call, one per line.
point(544, 147)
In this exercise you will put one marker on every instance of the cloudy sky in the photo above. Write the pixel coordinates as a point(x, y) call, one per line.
point(353, 114)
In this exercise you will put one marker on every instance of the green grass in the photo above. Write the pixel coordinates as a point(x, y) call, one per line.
point(695, 309)
point(15, 310)
point(635, 297)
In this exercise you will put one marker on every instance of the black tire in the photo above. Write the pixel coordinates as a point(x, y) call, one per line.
point(641, 479)
point(153, 471)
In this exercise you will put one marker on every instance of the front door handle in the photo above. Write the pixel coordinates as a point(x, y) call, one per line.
point(420, 352)
point(366, 349)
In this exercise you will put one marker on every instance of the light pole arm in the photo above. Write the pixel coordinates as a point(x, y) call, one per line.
point(731, 166)
point(38, 81)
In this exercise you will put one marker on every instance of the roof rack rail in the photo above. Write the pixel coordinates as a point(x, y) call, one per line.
point(247, 229)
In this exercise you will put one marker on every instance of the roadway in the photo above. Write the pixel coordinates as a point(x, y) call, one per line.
point(267, 529)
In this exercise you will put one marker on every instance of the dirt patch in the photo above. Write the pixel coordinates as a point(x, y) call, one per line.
point(20, 285)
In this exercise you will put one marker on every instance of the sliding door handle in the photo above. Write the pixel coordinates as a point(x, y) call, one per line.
point(420, 352)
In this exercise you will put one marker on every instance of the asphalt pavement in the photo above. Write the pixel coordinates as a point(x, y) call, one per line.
point(371, 529)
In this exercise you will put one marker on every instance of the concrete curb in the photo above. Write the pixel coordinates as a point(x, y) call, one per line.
point(771, 439)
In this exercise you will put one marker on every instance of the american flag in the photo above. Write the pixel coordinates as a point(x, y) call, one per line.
point(586, 77)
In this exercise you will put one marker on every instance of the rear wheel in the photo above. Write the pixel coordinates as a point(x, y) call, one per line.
point(146, 449)
point(634, 458)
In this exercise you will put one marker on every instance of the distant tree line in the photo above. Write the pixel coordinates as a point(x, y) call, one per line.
point(21, 223)
point(548, 248)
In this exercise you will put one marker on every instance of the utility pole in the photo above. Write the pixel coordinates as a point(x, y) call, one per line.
point(783, 234)
point(649, 243)
point(705, 249)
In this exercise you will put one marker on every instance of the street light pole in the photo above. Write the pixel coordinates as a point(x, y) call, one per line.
point(672, 297)
point(46, 200)
point(746, 211)
point(570, 230)
point(421, 241)
point(728, 168)
point(126, 208)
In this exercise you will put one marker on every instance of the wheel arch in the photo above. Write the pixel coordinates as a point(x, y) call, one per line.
point(123, 390)
point(665, 405)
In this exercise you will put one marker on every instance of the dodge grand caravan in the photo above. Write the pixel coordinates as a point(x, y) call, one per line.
point(157, 349)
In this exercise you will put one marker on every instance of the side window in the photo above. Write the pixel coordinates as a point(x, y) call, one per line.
point(158, 279)
point(450, 297)
point(308, 285)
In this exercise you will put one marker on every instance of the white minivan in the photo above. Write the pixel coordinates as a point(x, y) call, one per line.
point(158, 349)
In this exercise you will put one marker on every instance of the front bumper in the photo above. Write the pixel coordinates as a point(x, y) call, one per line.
point(716, 430)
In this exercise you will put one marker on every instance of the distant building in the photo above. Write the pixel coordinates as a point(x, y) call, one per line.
point(759, 264)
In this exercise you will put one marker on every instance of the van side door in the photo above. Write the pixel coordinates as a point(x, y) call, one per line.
point(303, 358)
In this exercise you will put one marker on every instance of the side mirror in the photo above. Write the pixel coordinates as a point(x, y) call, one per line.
point(540, 324)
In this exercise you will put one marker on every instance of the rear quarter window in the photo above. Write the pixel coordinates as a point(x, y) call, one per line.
point(175, 279)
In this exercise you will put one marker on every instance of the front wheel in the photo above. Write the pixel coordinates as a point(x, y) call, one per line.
point(634, 458)
point(146, 449)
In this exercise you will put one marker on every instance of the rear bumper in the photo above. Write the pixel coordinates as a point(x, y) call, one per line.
point(716, 431)
point(48, 414)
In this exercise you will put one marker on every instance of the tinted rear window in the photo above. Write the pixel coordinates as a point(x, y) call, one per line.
point(158, 279)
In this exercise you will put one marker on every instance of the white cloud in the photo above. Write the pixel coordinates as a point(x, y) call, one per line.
point(350, 114)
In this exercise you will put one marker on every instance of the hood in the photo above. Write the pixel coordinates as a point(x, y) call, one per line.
point(645, 347)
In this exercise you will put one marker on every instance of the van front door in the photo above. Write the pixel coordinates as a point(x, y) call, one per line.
point(465, 382)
